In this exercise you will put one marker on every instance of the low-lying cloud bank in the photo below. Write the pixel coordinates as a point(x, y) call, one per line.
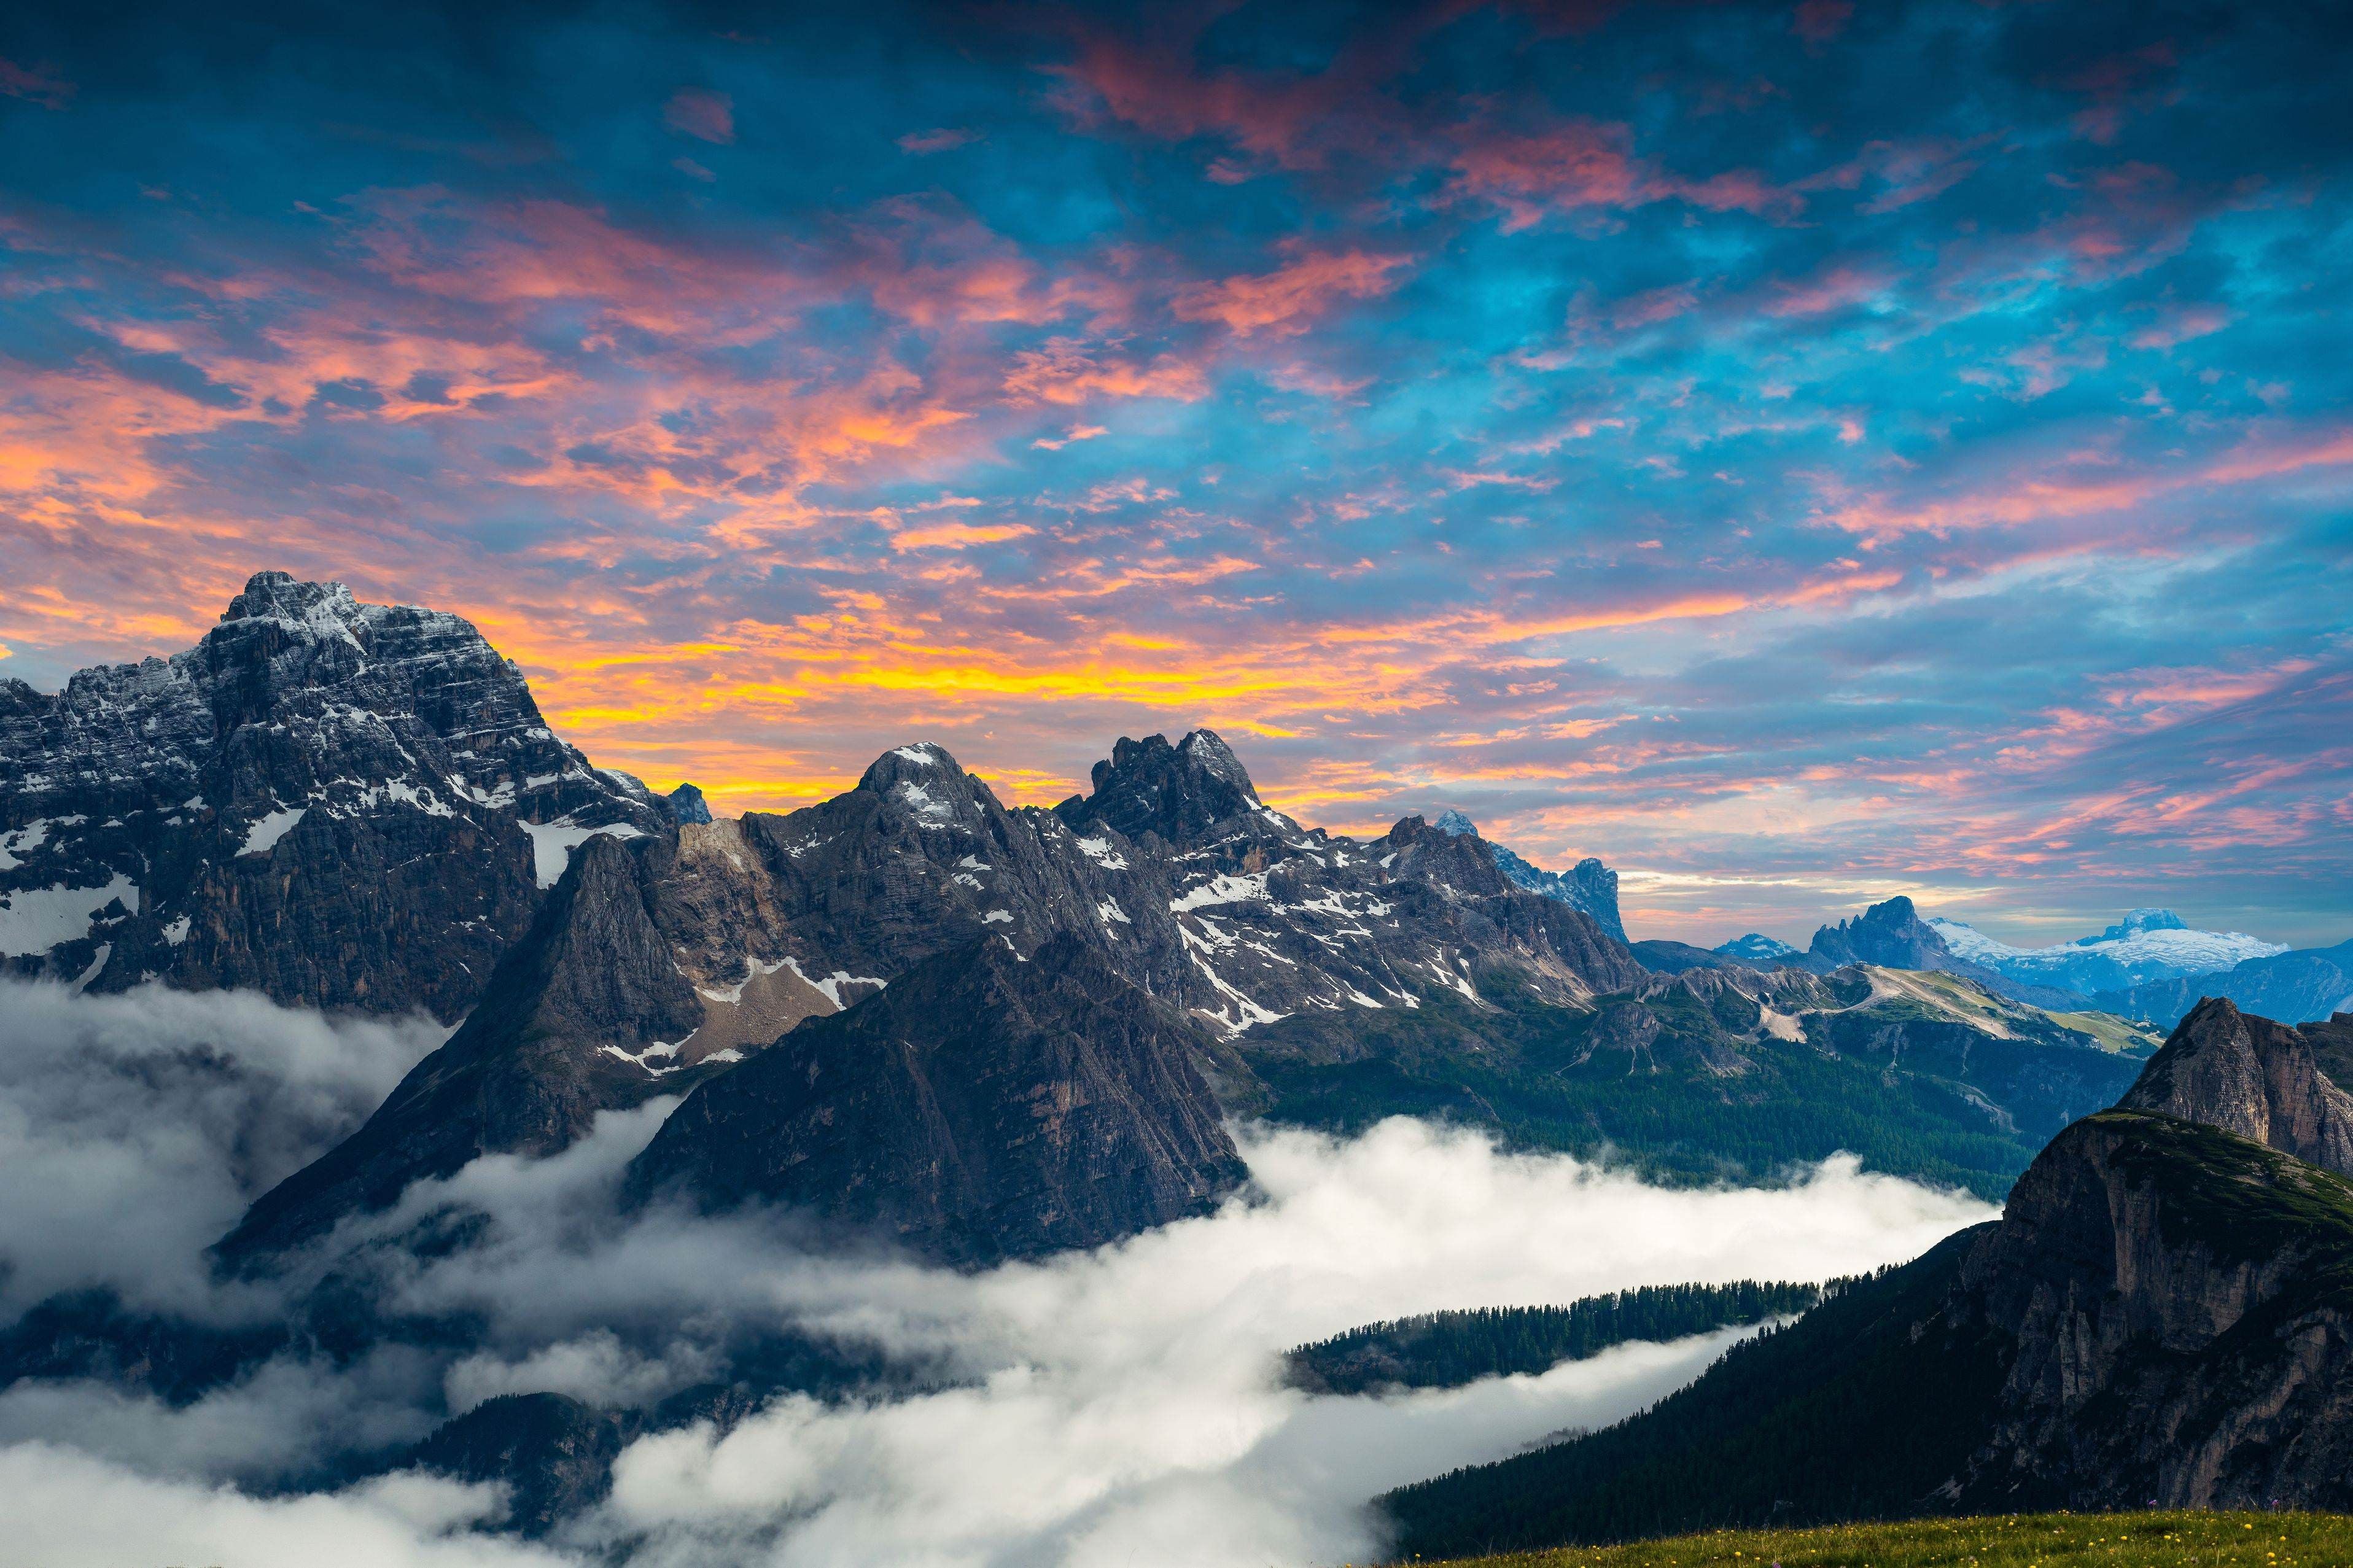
point(134, 1129)
point(1118, 1407)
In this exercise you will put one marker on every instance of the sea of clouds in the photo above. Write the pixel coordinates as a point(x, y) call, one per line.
point(1120, 1406)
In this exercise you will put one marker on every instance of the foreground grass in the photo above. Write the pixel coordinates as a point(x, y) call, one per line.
point(2025, 1541)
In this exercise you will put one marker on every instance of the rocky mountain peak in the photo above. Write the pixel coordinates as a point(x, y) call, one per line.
point(1891, 934)
point(2251, 1076)
point(687, 805)
point(1179, 792)
point(923, 762)
point(347, 806)
point(1454, 822)
point(281, 596)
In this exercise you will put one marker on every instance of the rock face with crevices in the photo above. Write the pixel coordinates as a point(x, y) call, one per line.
point(2254, 1077)
point(986, 1106)
point(347, 806)
point(583, 1016)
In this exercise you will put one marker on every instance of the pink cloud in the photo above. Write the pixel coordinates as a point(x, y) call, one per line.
point(941, 140)
point(1586, 163)
point(2181, 323)
point(1833, 289)
point(1280, 303)
point(700, 111)
point(1067, 372)
point(957, 535)
point(1819, 21)
point(37, 84)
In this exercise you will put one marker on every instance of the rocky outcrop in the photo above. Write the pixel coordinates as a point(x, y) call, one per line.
point(986, 1106)
point(687, 805)
point(341, 804)
point(1588, 885)
point(1891, 934)
point(2251, 1076)
point(2178, 1306)
point(1178, 794)
point(583, 1016)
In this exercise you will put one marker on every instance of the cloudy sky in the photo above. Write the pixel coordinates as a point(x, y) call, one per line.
point(1798, 452)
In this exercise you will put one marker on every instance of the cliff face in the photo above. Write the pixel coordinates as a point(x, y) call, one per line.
point(984, 1106)
point(563, 1033)
point(2164, 1314)
point(2180, 1305)
point(2254, 1077)
point(344, 804)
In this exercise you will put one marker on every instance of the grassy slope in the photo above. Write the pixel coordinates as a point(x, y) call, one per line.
point(2030, 1541)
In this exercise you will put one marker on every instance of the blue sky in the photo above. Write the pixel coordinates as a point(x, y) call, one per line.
point(1798, 452)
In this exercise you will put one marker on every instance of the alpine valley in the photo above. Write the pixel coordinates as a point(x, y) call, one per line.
point(915, 1028)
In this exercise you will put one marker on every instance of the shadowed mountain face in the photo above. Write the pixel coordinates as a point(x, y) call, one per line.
point(2164, 1313)
point(343, 805)
point(561, 1034)
point(986, 1106)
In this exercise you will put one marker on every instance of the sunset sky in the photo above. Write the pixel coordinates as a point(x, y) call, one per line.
point(1797, 453)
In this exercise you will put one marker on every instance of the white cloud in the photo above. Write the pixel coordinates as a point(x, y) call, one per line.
point(134, 1129)
point(1117, 1406)
point(64, 1510)
point(1127, 1410)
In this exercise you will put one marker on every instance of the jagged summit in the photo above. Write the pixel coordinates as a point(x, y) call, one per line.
point(2253, 1077)
point(346, 805)
point(281, 596)
point(688, 805)
point(1891, 933)
point(1180, 792)
point(1589, 886)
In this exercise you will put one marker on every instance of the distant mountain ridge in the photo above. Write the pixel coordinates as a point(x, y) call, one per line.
point(2147, 945)
point(1892, 934)
point(2298, 987)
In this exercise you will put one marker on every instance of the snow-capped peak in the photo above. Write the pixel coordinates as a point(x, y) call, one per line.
point(2146, 945)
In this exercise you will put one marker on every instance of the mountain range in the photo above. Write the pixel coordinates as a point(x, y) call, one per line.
point(2146, 945)
point(922, 1023)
